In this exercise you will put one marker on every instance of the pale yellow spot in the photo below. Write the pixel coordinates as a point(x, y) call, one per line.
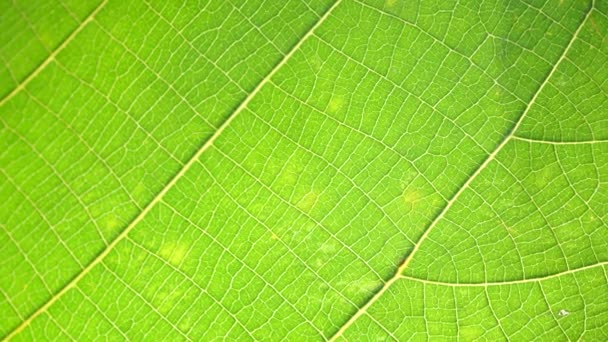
point(366, 286)
point(391, 3)
point(543, 178)
point(437, 202)
point(472, 332)
point(360, 287)
point(316, 63)
point(110, 224)
point(46, 37)
point(309, 227)
point(275, 236)
point(169, 298)
point(335, 104)
point(140, 190)
point(257, 207)
point(289, 175)
point(174, 252)
point(186, 323)
point(514, 231)
point(308, 201)
point(411, 196)
point(329, 247)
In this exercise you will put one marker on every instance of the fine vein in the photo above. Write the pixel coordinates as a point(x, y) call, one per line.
point(53, 54)
point(397, 275)
point(72, 283)
point(509, 282)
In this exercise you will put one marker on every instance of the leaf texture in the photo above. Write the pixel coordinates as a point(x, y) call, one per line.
point(304, 170)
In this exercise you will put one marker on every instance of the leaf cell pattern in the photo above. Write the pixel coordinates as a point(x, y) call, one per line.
point(304, 170)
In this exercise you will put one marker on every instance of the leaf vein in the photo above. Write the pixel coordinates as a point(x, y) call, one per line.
point(363, 309)
point(53, 54)
point(98, 260)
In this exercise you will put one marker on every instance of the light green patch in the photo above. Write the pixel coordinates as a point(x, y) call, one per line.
point(335, 104)
point(168, 298)
point(186, 323)
point(174, 252)
point(46, 38)
point(407, 178)
point(318, 263)
point(471, 332)
point(280, 160)
point(140, 190)
point(316, 63)
point(110, 224)
point(390, 3)
point(329, 247)
point(543, 177)
point(411, 196)
point(307, 202)
point(363, 287)
point(289, 174)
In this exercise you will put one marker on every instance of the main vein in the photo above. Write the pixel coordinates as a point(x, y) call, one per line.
point(397, 275)
point(72, 283)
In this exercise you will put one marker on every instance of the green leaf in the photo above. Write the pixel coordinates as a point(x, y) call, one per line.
point(304, 170)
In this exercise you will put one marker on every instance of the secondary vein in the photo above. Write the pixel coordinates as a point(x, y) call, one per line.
point(72, 283)
point(397, 275)
point(509, 282)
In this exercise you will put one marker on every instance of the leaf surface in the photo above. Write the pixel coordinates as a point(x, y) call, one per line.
point(304, 170)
